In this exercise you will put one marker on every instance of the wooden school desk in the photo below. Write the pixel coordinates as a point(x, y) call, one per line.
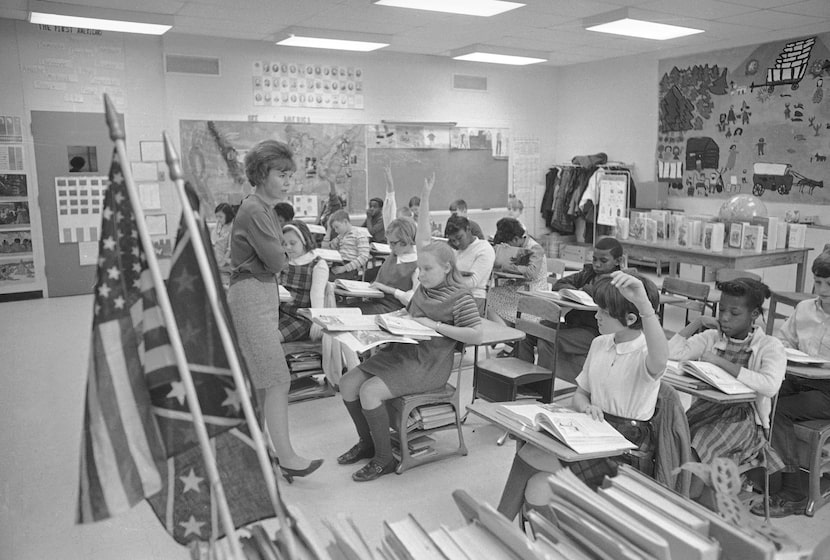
point(808, 372)
point(494, 333)
point(728, 258)
point(712, 394)
point(493, 413)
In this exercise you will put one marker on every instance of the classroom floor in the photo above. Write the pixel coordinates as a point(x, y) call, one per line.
point(44, 372)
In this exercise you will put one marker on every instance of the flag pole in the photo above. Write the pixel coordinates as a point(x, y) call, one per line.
point(117, 136)
point(177, 176)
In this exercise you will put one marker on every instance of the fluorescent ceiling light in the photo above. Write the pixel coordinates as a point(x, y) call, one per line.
point(498, 55)
point(332, 39)
point(644, 29)
point(617, 22)
point(484, 8)
point(106, 19)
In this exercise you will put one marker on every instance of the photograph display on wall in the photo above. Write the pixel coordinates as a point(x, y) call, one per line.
point(18, 272)
point(13, 185)
point(15, 242)
point(10, 129)
point(752, 120)
point(11, 158)
point(214, 151)
point(13, 214)
point(292, 84)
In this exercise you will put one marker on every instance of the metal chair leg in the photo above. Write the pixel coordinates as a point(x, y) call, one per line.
point(502, 438)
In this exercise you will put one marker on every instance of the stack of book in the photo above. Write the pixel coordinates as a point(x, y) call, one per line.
point(307, 376)
point(432, 416)
point(419, 446)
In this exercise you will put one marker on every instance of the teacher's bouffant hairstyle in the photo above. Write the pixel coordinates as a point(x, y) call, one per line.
point(265, 156)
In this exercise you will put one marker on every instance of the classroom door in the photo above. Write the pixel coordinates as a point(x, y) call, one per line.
point(73, 145)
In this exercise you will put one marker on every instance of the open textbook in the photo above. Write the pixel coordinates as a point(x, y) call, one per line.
point(798, 357)
point(577, 296)
point(358, 288)
point(329, 255)
point(577, 430)
point(404, 325)
point(363, 340)
point(713, 375)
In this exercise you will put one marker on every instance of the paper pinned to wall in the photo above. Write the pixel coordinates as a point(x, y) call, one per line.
point(156, 224)
point(148, 194)
point(527, 173)
point(151, 150)
point(88, 253)
point(144, 171)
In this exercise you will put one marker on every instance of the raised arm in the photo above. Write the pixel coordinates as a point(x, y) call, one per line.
point(390, 205)
point(633, 290)
point(424, 235)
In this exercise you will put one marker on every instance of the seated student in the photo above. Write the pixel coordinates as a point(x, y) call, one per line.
point(474, 258)
point(801, 399)
point(580, 327)
point(532, 265)
point(352, 244)
point(619, 382)
point(734, 431)
point(397, 277)
point(305, 278)
point(459, 208)
point(285, 212)
point(374, 221)
point(222, 240)
point(442, 303)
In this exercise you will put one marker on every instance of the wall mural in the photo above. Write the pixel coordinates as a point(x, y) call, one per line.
point(748, 120)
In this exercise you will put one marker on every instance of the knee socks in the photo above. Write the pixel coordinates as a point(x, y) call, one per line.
point(378, 420)
point(356, 413)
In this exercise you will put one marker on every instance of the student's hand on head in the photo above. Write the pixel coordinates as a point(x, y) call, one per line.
point(594, 412)
point(630, 287)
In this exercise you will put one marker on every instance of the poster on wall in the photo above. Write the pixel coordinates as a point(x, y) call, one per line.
point(11, 129)
point(13, 214)
point(493, 139)
point(280, 83)
point(79, 200)
point(753, 119)
point(613, 199)
point(213, 153)
point(13, 184)
point(19, 271)
point(12, 242)
point(408, 136)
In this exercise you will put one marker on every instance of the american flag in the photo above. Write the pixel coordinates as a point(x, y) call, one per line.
point(186, 505)
point(121, 447)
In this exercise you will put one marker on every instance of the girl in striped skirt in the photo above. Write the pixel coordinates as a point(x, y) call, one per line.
point(305, 279)
point(732, 341)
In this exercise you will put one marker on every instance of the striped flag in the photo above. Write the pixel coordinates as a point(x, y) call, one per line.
point(185, 505)
point(121, 447)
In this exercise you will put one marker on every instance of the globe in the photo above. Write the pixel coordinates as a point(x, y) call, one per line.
point(742, 208)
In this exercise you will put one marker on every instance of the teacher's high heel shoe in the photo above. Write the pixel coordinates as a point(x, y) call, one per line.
point(289, 474)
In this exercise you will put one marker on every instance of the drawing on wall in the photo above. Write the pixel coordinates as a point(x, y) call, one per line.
point(13, 184)
point(284, 84)
point(15, 241)
point(22, 271)
point(79, 200)
point(14, 213)
point(408, 136)
point(749, 120)
point(213, 154)
point(493, 139)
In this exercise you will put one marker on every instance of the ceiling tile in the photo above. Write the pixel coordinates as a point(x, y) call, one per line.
point(769, 19)
point(761, 4)
point(703, 9)
point(13, 13)
point(817, 8)
point(150, 6)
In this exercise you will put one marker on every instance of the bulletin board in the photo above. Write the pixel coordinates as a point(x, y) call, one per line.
point(752, 120)
point(473, 175)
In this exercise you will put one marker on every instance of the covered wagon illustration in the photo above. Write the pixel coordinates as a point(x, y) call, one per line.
point(779, 177)
point(790, 66)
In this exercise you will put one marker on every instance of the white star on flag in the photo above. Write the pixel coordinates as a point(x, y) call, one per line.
point(109, 243)
point(113, 273)
point(192, 526)
point(177, 391)
point(191, 481)
point(104, 291)
point(232, 400)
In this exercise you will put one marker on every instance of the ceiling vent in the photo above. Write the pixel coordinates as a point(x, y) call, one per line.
point(183, 64)
point(466, 82)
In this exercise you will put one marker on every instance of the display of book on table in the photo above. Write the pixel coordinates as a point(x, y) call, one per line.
point(577, 430)
point(357, 288)
point(691, 373)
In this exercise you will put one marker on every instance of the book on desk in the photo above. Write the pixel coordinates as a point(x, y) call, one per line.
point(577, 430)
point(357, 288)
point(329, 255)
point(802, 358)
point(711, 375)
point(567, 295)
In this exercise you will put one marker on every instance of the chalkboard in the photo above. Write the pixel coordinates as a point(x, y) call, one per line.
point(473, 175)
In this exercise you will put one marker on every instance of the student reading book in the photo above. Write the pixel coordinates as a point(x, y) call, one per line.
point(352, 244)
point(580, 327)
point(398, 275)
point(801, 399)
point(619, 383)
point(580, 432)
point(732, 342)
point(441, 303)
point(517, 253)
point(714, 376)
point(305, 279)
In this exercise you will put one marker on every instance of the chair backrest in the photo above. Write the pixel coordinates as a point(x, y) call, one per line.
point(556, 267)
point(541, 308)
point(727, 274)
point(695, 291)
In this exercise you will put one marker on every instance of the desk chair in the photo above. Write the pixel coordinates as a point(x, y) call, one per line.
point(401, 407)
point(556, 269)
point(498, 379)
point(812, 436)
point(685, 294)
point(785, 298)
point(725, 275)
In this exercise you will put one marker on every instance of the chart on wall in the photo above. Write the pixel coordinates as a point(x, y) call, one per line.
point(295, 84)
point(213, 154)
point(753, 119)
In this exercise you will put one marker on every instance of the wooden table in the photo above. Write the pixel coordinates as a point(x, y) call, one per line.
point(712, 394)
point(728, 258)
point(492, 412)
point(808, 372)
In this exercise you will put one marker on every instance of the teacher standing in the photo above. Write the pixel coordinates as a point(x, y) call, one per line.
point(257, 257)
